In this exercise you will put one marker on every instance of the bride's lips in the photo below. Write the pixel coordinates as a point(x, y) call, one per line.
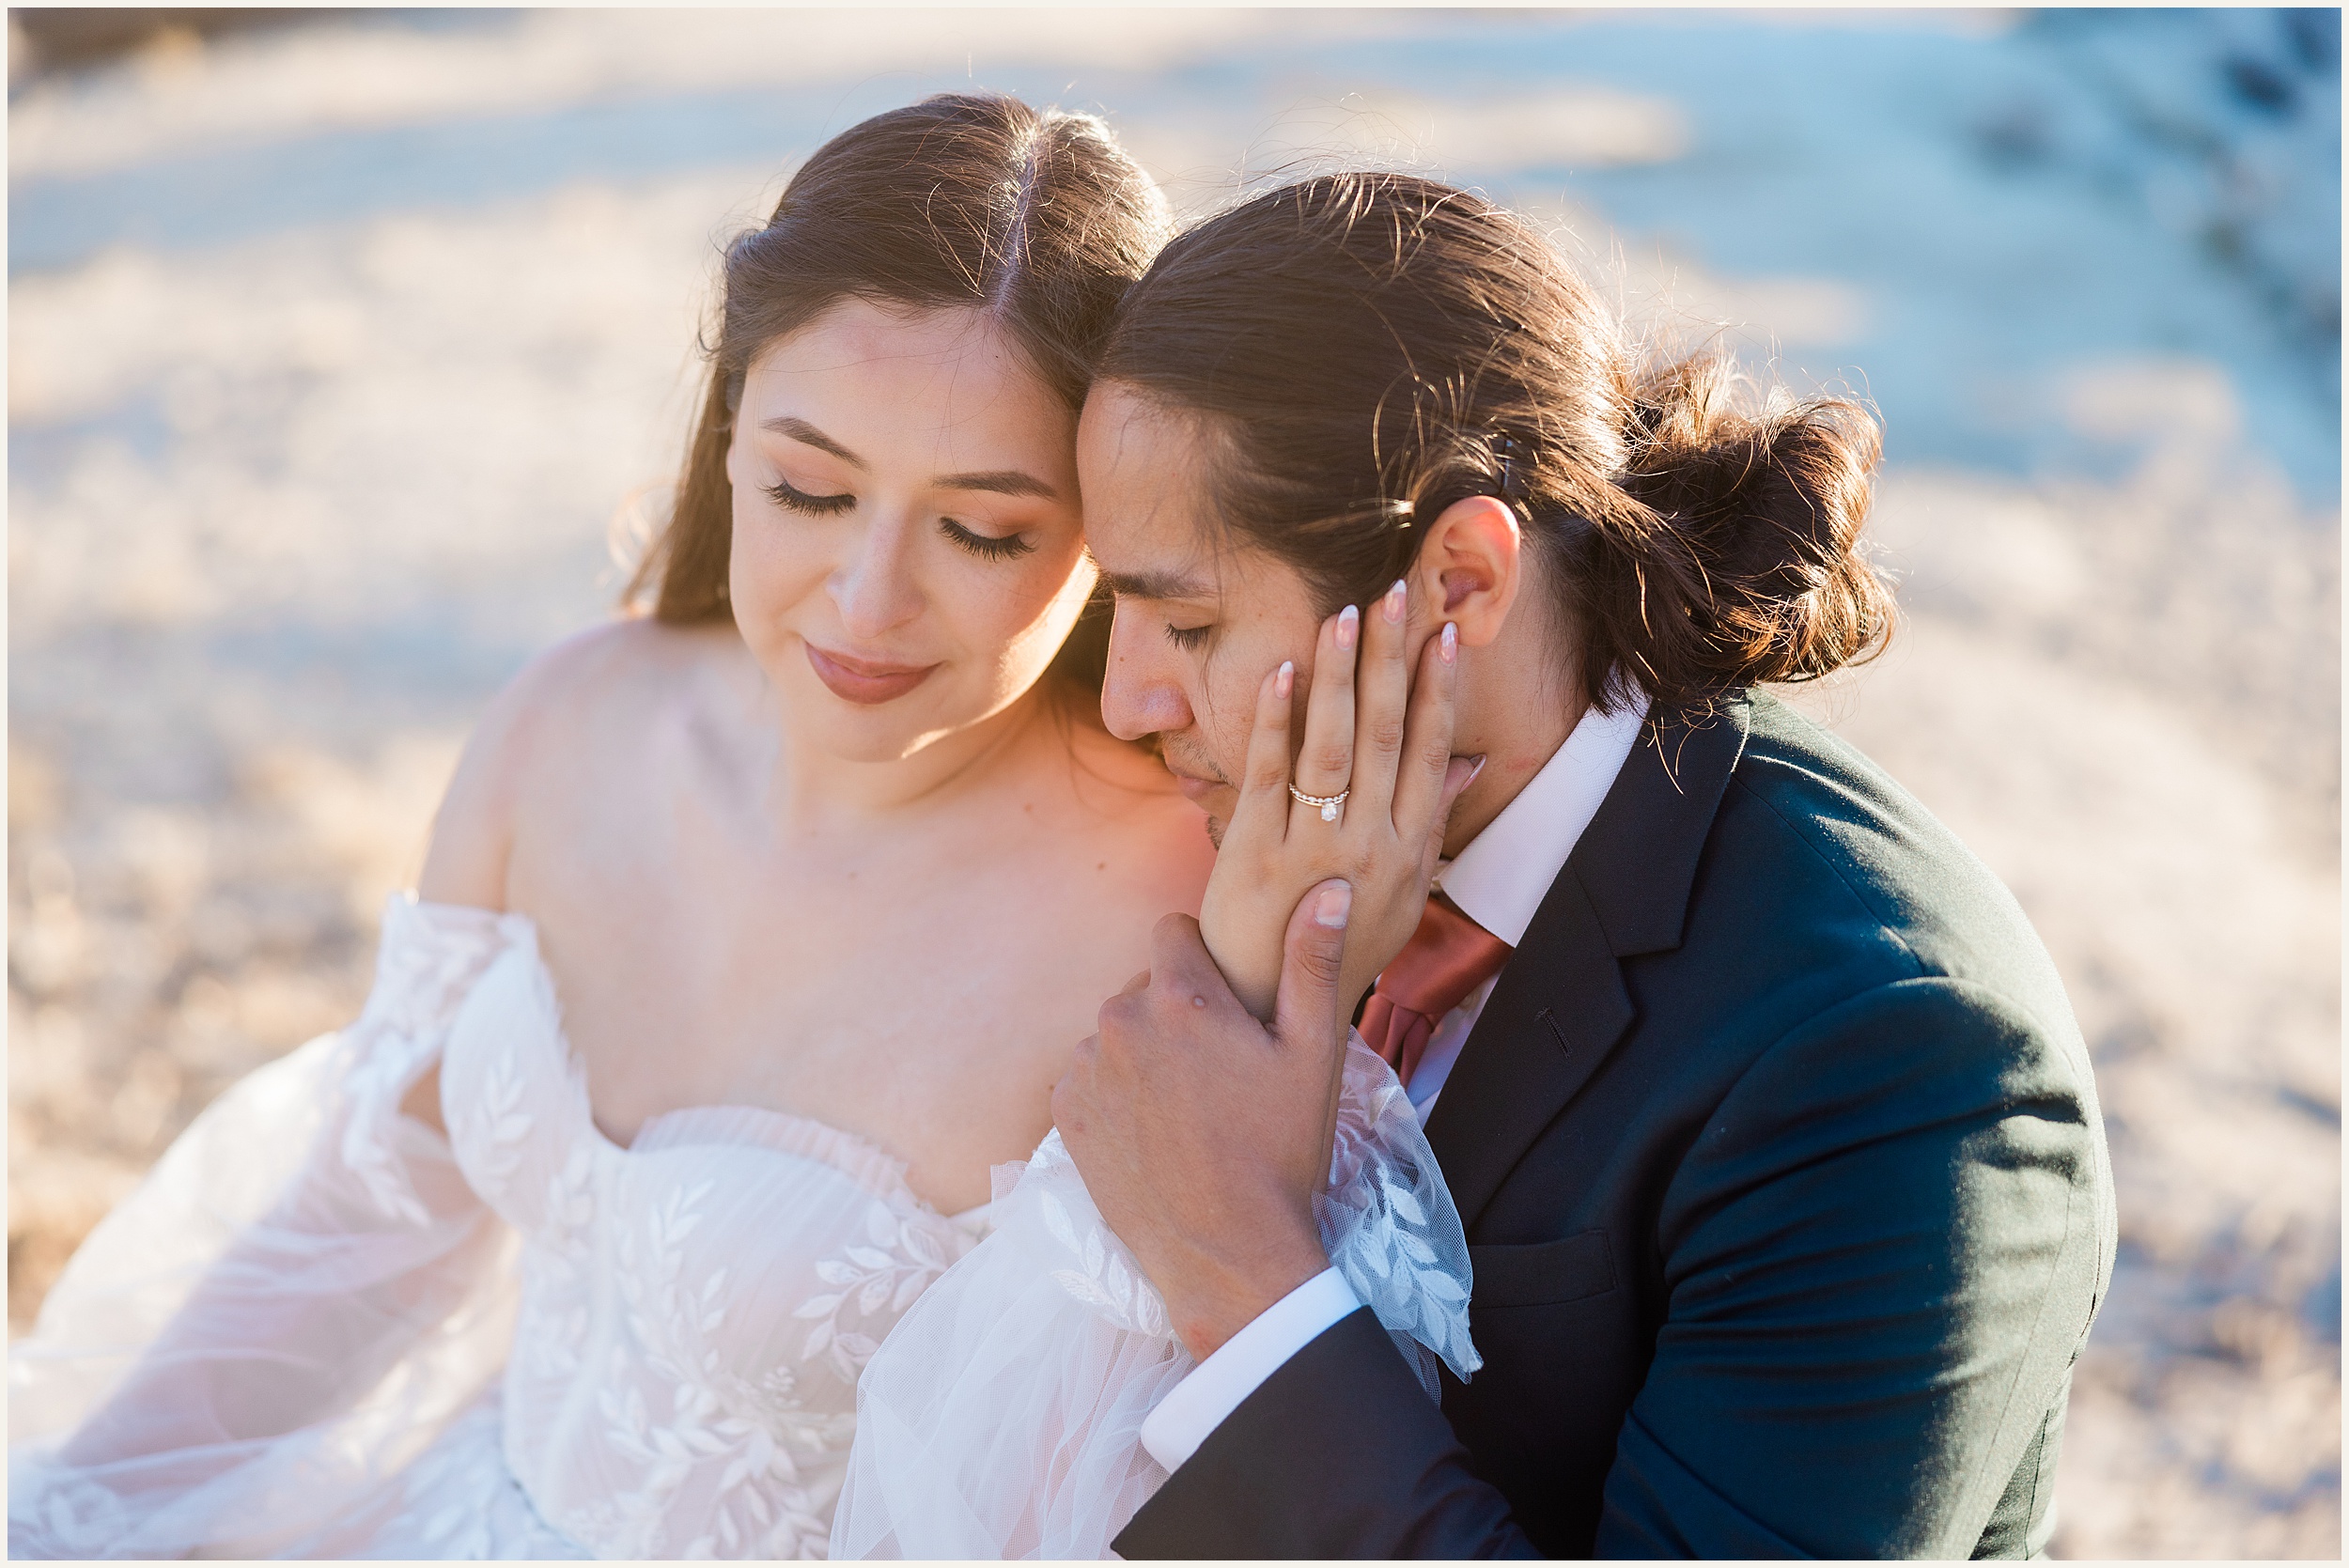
point(861, 681)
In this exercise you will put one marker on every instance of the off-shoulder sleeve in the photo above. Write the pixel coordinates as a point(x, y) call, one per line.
point(295, 1301)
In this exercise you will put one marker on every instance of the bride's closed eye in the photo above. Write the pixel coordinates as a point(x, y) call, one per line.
point(788, 496)
point(1187, 637)
point(987, 547)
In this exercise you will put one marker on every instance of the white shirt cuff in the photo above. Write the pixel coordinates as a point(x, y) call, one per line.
point(1198, 1404)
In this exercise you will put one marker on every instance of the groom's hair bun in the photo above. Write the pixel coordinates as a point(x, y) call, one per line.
point(1364, 350)
point(1034, 216)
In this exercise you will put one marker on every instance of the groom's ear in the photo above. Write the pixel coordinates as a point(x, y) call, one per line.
point(1471, 567)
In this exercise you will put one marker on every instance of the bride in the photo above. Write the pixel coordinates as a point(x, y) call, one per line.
point(752, 933)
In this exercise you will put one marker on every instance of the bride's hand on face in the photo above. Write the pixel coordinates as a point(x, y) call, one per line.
point(1377, 731)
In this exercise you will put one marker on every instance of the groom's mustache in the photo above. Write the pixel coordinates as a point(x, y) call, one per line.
point(1183, 758)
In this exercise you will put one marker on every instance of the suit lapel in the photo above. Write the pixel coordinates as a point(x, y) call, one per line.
point(1560, 1007)
point(1547, 1026)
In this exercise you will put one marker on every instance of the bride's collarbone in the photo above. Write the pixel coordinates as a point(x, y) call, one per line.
point(855, 901)
point(936, 1003)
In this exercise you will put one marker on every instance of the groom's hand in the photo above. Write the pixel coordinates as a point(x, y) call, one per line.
point(1202, 1135)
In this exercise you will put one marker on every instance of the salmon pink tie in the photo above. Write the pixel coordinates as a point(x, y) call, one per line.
point(1447, 957)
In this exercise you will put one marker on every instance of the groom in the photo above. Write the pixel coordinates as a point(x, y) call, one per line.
point(1773, 1135)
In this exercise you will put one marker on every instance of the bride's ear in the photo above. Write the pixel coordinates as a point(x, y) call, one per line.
point(1472, 566)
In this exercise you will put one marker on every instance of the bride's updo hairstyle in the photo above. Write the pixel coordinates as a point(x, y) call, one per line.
point(1036, 218)
point(1366, 349)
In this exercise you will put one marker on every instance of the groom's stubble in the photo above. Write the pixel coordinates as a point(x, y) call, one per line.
point(1182, 755)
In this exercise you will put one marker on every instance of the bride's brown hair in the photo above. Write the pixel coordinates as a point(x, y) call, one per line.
point(1366, 349)
point(1036, 218)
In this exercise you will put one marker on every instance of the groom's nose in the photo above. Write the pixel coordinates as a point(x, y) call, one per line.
point(1140, 691)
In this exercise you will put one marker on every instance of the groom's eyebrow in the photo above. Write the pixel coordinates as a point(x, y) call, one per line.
point(1154, 585)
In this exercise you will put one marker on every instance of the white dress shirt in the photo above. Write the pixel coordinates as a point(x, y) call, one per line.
point(1498, 881)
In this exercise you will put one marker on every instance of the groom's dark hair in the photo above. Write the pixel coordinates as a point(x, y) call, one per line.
point(1036, 218)
point(1366, 349)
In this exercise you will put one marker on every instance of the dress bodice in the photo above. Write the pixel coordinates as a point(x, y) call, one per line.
point(319, 1328)
point(695, 1307)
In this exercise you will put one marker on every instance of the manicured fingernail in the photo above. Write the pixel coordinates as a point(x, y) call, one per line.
point(1393, 603)
point(1349, 622)
point(1476, 768)
point(1450, 646)
point(1284, 678)
point(1334, 906)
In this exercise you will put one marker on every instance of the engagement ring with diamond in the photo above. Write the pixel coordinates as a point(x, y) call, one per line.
point(1329, 803)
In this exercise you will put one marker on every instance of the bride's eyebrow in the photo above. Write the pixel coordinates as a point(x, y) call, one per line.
point(1008, 481)
point(808, 435)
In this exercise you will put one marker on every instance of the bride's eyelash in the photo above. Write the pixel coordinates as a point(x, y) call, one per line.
point(983, 546)
point(788, 496)
point(1186, 636)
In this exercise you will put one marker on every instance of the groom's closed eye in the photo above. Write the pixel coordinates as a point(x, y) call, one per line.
point(1186, 631)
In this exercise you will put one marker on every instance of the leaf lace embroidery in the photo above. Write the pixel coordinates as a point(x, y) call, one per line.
point(1377, 1218)
point(751, 1430)
point(1377, 1230)
point(1105, 1277)
point(895, 1262)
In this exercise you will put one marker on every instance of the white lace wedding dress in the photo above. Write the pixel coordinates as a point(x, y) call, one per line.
point(318, 1329)
point(1003, 1416)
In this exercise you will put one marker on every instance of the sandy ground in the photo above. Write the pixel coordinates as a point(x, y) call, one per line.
point(291, 495)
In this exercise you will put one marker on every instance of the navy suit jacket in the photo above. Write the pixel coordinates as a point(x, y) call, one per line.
point(1786, 1195)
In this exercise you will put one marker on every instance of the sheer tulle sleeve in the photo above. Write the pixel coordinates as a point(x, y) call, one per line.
point(298, 1297)
point(1003, 1416)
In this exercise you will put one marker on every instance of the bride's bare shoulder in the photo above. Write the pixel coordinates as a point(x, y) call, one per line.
point(1156, 841)
point(561, 724)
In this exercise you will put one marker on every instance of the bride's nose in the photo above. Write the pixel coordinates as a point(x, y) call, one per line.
point(874, 589)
